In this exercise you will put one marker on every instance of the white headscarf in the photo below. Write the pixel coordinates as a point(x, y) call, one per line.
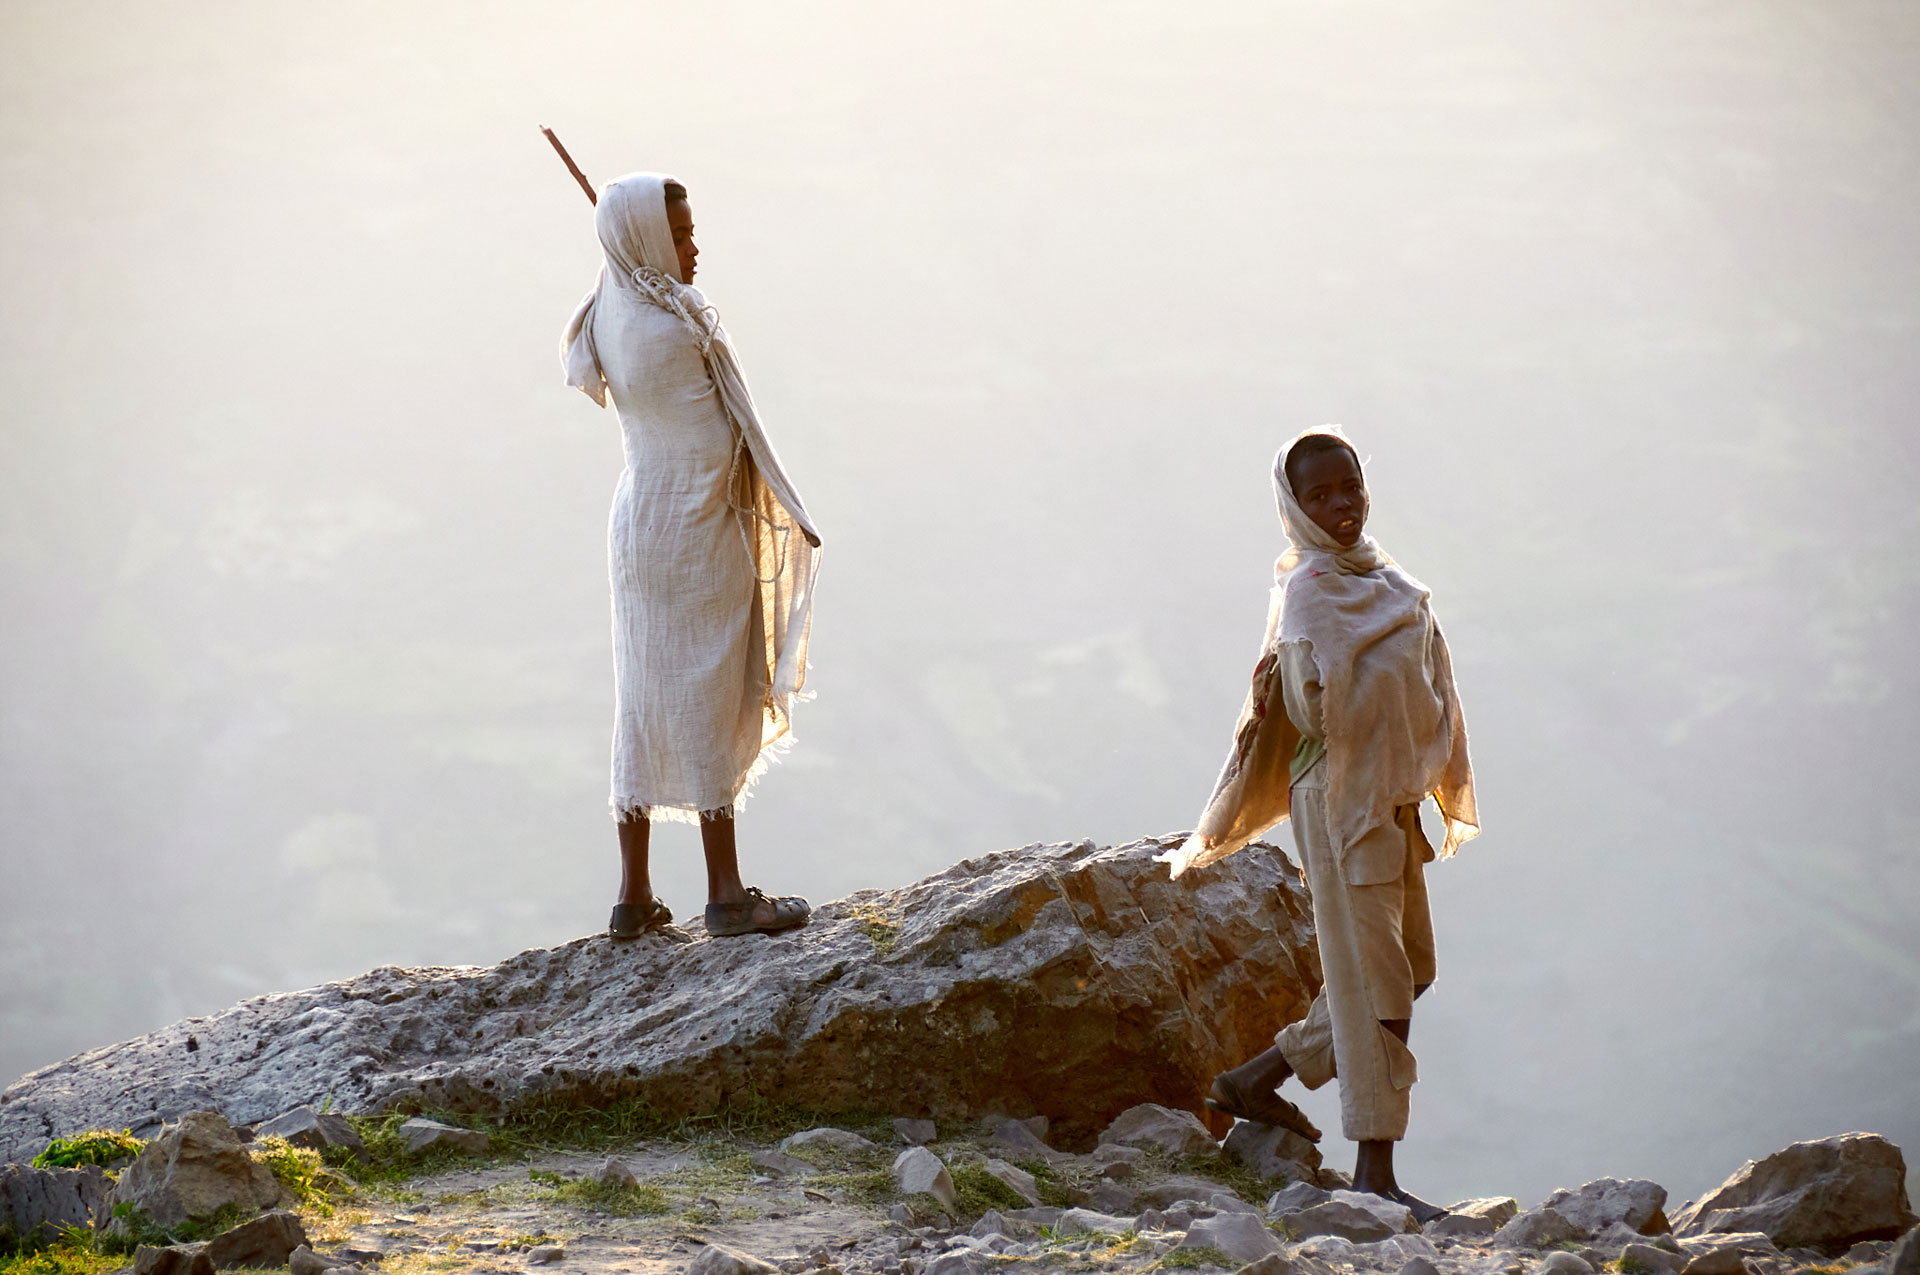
point(1394, 729)
point(642, 267)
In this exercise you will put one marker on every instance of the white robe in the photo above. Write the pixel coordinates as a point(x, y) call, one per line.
point(711, 573)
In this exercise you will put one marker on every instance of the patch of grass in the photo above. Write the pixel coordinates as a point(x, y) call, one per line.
point(870, 1188)
point(95, 1146)
point(302, 1172)
point(1231, 1173)
point(1182, 1259)
point(880, 927)
point(386, 1158)
point(1054, 1189)
point(75, 1256)
point(643, 1199)
point(979, 1191)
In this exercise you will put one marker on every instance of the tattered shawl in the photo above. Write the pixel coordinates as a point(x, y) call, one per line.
point(643, 268)
point(1394, 729)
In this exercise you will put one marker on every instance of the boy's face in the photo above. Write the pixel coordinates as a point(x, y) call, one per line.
point(1330, 490)
point(680, 220)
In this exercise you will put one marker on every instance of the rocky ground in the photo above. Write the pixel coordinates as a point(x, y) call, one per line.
point(1155, 1192)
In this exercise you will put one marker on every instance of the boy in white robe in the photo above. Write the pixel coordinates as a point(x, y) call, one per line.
point(1369, 725)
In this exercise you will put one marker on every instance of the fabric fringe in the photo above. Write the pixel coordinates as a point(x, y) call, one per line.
point(770, 752)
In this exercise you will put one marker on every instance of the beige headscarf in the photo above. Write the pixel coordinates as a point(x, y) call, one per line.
point(642, 267)
point(1394, 729)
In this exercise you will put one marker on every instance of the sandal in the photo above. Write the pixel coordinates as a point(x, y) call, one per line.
point(631, 920)
point(1423, 1212)
point(724, 920)
point(1269, 1108)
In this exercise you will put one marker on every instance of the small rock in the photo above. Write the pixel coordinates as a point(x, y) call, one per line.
point(1635, 1202)
point(545, 1254)
point(1150, 1220)
point(1333, 1179)
point(1152, 1126)
point(1726, 1254)
point(616, 1173)
point(1337, 1218)
point(914, 1133)
point(1561, 1262)
point(1537, 1228)
point(192, 1170)
point(1111, 1197)
point(1241, 1236)
point(776, 1165)
point(1108, 1154)
point(1499, 1209)
point(1649, 1260)
point(1017, 1179)
point(420, 1134)
point(305, 1127)
point(960, 1261)
point(1295, 1197)
point(843, 1140)
point(268, 1240)
point(1178, 1187)
point(1327, 1248)
point(1828, 1195)
point(1224, 1201)
point(1462, 1226)
point(991, 1223)
point(1272, 1152)
point(1398, 1217)
point(1018, 1138)
point(175, 1259)
point(718, 1259)
point(919, 1171)
point(1419, 1266)
point(1088, 1222)
point(1273, 1264)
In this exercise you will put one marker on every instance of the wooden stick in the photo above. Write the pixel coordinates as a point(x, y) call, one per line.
point(572, 167)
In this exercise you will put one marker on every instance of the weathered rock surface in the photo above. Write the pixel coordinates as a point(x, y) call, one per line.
point(37, 1204)
point(1649, 1257)
point(1241, 1236)
point(1397, 1217)
point(1827, 1195)
point(918, 1171)
point(178, 1259)
point(305, 1127)
point(718, 1259)
point(1498, 1209)
point(268, 1240)
point(1634, 1202)
point(1151, 1126)
point(1336, 1218)
point(1072, 981)
point(195, 1168)
point(1905, 1258)
point(1561, 1262)
point(1272, 1152)
point(1537, 1228)
point(1726, 1253)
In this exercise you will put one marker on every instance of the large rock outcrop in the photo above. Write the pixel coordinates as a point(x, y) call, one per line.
point(1071, 981)
point(1828, 1195)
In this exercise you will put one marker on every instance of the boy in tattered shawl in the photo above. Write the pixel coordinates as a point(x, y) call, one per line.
point(1352, 721)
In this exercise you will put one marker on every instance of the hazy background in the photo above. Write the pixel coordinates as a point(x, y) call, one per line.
point(304, 654)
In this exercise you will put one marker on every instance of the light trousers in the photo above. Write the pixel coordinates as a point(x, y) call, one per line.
point(1376, 946)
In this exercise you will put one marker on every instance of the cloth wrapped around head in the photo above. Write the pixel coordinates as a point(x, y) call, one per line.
point(642, 267)
point(1395, 732)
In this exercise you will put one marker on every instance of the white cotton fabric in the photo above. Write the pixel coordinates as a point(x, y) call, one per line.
point(1391, 715)
point(708, 553)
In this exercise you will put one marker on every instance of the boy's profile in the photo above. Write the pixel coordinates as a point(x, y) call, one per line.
point(1352, 721)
